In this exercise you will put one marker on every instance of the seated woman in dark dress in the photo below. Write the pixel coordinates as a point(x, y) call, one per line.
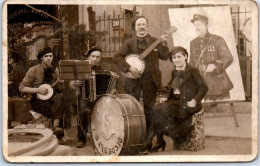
point(173, 117)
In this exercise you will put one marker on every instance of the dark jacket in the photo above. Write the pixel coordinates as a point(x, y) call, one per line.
point(152, 60)
point(217, 53)
point(192, 86)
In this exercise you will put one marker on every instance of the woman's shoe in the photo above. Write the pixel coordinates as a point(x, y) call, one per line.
point(146, 148)
point(158, 146)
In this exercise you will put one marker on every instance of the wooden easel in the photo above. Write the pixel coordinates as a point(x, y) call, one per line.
point(234, 114)
point(231, 106)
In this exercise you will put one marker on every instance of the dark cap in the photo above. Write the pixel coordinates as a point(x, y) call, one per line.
point(133, 24)
point(92, 49)
point(45, 51)
point(198, 17)
point(176, 50)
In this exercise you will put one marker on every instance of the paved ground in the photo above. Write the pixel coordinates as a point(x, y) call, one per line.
point(225, 126)
point(222, 135)
point(214, 146)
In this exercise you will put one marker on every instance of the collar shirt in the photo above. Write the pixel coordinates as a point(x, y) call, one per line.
point(35, 76)
point(177, 81)
point(142, 42)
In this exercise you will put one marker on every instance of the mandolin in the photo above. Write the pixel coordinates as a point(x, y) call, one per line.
point(137, 61)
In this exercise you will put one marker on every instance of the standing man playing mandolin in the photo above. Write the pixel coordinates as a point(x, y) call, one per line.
point(43, 73)
point(149, 80)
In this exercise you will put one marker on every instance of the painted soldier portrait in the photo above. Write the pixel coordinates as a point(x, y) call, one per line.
point(211, 44)
point(210, 54)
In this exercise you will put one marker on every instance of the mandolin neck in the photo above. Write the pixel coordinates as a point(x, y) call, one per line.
point(149, 49)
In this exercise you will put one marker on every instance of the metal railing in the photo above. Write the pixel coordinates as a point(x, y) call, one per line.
point(112, 27)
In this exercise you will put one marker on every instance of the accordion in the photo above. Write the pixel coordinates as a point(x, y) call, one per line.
point(99, 84)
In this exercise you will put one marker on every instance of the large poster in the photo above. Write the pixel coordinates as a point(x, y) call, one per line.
point(213, 53)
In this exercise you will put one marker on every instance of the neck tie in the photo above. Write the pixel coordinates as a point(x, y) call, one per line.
point(141, 43)
point(179, 73)
point(178, 79)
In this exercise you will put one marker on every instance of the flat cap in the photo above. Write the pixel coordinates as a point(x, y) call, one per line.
point(92, 49)
point(45, 51)
point(198, 17)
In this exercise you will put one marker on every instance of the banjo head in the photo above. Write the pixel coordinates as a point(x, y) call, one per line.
point(49, 93)
point(134, 61)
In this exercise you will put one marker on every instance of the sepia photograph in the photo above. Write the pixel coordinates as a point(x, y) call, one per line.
point(137, 81)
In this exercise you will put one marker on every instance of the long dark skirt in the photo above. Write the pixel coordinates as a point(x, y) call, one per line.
point(167, 120)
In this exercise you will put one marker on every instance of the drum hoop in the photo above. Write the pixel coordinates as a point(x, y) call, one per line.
point(126, 128)
point(139, 107)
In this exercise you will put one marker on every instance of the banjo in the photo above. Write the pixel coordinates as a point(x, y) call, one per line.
point(137, 61)
point(49, 92)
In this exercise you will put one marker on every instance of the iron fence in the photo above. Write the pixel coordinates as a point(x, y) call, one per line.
point(113, 28)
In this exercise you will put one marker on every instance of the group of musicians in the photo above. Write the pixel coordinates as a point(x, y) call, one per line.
point(187, 84)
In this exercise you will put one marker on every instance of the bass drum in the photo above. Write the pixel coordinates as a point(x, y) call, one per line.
point(118, 125)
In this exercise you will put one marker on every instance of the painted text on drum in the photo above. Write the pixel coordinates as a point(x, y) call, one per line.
point(112, 150)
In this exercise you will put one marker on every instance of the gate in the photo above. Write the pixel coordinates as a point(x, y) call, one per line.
point(113, 30)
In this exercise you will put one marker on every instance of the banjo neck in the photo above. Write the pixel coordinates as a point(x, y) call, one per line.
point(54, 83)
point(149, 49)
point(137, 61)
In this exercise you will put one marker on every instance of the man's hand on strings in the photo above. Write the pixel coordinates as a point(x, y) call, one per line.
point(134, 72)
point(164, 37)
point(42, 90)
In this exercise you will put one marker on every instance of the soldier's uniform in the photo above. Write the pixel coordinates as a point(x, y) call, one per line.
point(212, 49)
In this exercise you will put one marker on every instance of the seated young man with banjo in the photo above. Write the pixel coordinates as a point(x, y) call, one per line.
point(39, 81)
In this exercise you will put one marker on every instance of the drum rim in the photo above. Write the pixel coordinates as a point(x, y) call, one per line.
point(143, 128)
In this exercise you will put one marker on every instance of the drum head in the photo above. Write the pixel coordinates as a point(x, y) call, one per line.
point(107, 126)
point(48, 95)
